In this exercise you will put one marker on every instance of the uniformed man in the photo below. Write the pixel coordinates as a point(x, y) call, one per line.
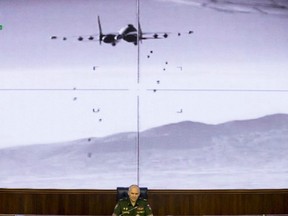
point(133, 206)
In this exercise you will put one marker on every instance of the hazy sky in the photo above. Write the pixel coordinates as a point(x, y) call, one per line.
point(234, 66)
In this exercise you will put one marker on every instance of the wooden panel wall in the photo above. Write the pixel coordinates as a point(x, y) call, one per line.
point(163, 202)
point(219, 202)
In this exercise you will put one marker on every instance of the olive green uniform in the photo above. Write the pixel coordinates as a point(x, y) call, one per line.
point(124, 207)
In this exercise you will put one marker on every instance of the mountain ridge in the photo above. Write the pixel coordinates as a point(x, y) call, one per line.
point(187, 149)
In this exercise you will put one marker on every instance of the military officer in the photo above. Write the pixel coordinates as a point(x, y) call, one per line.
point(133, 206)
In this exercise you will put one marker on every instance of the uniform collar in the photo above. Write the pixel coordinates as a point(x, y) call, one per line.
point(136, 203)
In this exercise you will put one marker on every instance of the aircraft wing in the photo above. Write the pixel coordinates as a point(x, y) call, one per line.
point(92, 37)
point(162, 35)
point(111, 38)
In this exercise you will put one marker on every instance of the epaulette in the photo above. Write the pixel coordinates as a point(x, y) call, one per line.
point(124, 198)
point(140, 198)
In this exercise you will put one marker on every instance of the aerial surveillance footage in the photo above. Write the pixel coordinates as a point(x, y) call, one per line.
point(129, 33)
point(174, 94)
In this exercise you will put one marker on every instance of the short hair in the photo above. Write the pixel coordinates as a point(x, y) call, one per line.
point(134, 186)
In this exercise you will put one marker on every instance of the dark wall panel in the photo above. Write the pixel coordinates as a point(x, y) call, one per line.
point(163, 202)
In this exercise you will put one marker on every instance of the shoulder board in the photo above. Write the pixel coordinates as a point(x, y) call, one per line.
point(141, 199)
point(123, 199)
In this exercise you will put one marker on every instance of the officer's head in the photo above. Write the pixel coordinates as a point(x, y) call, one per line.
point(134, 192)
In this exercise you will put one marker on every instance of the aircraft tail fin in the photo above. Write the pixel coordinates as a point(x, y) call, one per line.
point(140, 33)
point(100, 30)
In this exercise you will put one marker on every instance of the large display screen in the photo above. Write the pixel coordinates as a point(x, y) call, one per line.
point(167, 94)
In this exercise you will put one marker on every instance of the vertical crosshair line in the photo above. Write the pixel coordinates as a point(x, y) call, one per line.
point(138, 81)
point(138, 40)
point(138, 142)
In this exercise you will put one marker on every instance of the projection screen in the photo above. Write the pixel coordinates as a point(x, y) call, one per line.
point(174, 94)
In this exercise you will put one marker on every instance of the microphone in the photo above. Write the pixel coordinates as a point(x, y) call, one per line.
point(128, 210)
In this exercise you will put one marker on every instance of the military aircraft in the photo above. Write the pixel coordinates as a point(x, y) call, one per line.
point(128, 33)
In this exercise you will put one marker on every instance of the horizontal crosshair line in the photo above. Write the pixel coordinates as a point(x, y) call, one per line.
point(222, 90)
point(176, 90)
point(68, 89)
